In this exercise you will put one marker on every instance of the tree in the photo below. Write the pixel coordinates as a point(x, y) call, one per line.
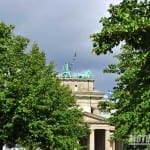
point(35, 109)
point(129, 21)
point(128, 24)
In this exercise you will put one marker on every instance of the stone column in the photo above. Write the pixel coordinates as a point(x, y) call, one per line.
point(113, 147)
point(112, 142)
point(92, 140)
point(107, 140)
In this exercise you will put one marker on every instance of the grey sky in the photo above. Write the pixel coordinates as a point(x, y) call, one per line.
point(61, 28)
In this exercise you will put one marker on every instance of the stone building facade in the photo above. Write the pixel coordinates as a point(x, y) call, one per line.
point(88, 99)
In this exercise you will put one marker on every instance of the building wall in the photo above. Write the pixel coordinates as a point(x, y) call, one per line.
point(88, 99)
point(77, 84)
point(86, 95)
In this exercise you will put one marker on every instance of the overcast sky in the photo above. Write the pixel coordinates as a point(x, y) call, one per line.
point(61, 28)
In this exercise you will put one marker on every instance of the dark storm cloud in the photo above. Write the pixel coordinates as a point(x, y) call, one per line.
point(62, 28)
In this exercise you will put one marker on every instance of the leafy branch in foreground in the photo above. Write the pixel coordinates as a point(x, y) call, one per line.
point(129, 21)
point(35, 109)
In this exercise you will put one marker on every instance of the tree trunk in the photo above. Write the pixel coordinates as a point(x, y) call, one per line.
point(1, 144)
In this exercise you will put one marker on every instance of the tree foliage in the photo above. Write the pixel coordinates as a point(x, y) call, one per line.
point(35, 109)
point(129, 22)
